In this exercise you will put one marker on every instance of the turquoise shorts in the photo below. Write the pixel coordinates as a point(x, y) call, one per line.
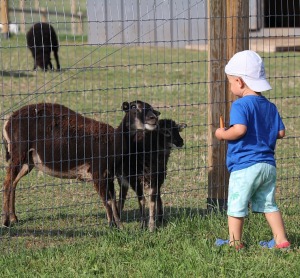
point(255, 185)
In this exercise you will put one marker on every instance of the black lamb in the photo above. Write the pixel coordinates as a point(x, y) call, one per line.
point(146, 168)
point(41, 40)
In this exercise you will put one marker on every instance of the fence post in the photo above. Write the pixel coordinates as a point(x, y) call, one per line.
point(5, 18)
point(73, 18)
point(43, 14)
point(217, 175)
point(22, 16)
point(237, 36)
point(228, 18)
point(80, 25)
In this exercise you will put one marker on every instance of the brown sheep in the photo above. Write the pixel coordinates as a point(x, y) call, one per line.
point(64, 144)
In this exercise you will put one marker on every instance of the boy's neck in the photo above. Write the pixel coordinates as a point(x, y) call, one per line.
point(249, 92)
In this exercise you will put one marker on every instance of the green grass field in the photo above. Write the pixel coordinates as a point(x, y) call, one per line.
point(183, 248)
point(63, 231)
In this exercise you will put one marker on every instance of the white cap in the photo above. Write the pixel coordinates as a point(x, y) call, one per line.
point(248, 65)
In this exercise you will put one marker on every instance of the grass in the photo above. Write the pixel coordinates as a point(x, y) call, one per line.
point(183, 248)
point(63, 230)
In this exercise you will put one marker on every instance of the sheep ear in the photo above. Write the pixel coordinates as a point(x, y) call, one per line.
point(181, 127)
point(125, 106)
point(157, 113)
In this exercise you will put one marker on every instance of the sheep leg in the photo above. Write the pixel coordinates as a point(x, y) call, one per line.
point(123, 193)
point(122, 197)
point(155, 208)
point(56, 59)
point(160, 212)
point(10, 176)
point(101, 190)
point(159, 208)
point(109, 203)
point(142, 204)
point(152, 206)
point(113, 204)
point(23, 172)
point(34, 64)
point(13, 175)
point(47, 64)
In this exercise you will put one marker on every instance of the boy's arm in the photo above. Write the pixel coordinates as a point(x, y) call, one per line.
point(233, 133)
point(281, 134)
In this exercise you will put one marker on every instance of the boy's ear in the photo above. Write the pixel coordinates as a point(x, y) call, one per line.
point(241, 82)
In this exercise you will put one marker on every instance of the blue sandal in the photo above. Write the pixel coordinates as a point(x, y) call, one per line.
point(221, 242)
point(272, 245)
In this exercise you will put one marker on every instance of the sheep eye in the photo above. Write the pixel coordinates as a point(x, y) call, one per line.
point(181, 127)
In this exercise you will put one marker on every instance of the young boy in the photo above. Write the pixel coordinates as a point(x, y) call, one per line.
point(255, 125)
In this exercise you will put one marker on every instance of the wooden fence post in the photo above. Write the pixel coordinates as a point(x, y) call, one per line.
point(5, 18)
point(80, 24)
point(73, 19)
point(228, 32)
point(22, 16)
point(237, 36)
point(217, 174)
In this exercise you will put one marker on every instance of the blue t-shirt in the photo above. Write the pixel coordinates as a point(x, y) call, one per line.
point(258, 144)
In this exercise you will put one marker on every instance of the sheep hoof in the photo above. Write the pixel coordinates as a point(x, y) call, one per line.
point(9, 221)
point(151, 226)
point(111, 224)
point(152, 229)
point(118, 225)
point(143, 224)
point(13, 219)
point(5, 222)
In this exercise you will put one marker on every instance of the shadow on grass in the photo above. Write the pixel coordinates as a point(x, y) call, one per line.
point(61, 228)
point(16, 73)
point(72, 225)
point(28, 73)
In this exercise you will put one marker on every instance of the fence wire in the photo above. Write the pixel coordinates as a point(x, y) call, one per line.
point(115, 51)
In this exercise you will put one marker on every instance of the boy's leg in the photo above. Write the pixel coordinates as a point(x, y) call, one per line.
point(235, 226)
point(276, 223)
point(239, 193)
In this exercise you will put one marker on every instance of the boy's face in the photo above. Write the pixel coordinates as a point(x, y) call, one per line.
point(237, 85)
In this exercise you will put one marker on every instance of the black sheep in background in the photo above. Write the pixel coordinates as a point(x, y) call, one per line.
point(41, 40)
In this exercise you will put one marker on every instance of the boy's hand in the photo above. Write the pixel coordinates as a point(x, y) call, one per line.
point(219, 133)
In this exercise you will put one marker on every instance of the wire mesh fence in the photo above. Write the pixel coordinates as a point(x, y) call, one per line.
point(116, 51)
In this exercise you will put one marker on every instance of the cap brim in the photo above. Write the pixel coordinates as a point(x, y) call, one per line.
point(257, 85)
